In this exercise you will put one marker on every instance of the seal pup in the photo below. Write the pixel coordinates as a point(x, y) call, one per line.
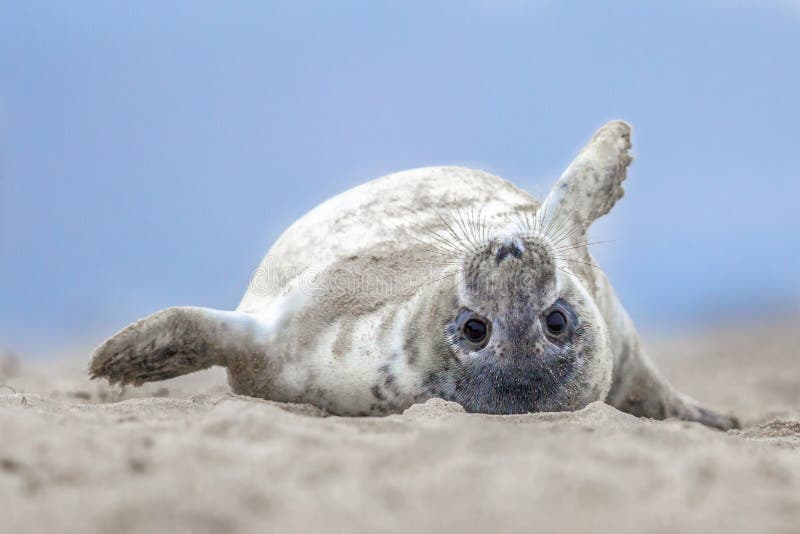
point(435, 282)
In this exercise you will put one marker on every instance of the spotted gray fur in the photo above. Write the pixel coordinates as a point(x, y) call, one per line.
point(360, 306)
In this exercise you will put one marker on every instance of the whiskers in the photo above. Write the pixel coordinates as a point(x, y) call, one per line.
point(455, 236)
point(564, 231)
point(556, 227)
point(451, 240)
point(459, 234)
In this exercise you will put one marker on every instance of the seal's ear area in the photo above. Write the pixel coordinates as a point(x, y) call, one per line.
point(174, 342)
point(592, 183)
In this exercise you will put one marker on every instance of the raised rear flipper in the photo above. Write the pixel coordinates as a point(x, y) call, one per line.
point(587, 190)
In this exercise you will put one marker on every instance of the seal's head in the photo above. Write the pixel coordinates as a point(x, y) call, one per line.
point(524, 332)
point(523, 329)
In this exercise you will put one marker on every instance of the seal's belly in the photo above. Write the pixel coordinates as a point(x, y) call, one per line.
point(355, 365)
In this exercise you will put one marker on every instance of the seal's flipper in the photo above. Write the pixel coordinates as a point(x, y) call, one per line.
point(690, 410)
point(639, 389)
point(637, 386)
point(592, 183)
point(587, 190)
point(175, 342)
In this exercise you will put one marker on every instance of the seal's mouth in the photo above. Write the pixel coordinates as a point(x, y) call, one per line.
point(509, 272)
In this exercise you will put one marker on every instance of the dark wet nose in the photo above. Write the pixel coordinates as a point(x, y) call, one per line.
point(511, 248)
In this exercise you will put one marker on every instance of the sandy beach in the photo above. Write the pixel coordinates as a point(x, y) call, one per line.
point(188, 456)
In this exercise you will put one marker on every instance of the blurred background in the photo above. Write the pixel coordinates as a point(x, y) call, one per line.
point(150, 153)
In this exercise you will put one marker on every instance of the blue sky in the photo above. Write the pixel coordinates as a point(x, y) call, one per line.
point(151, 152)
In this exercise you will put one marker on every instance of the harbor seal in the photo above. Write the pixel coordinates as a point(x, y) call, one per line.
point(436, 282)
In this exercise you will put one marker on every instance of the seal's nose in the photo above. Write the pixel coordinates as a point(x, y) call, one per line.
point(509, 248)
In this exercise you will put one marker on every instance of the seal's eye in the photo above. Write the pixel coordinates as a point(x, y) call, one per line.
point(475, 330)
point(556, 323)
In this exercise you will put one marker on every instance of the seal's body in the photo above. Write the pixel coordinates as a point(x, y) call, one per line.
point(436, 282)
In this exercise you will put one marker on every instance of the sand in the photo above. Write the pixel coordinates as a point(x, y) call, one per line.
point(188, 456)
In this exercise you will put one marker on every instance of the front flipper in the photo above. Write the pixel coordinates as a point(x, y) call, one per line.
point(175, 342)
point(639, 389)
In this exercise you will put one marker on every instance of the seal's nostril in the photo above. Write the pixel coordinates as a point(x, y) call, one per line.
point(507, 249)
